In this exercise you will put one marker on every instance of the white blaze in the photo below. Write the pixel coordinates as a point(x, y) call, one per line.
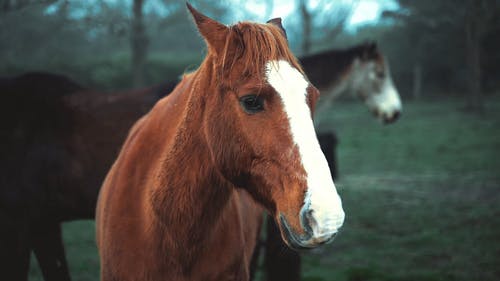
point(321, 196)
point(387, 101)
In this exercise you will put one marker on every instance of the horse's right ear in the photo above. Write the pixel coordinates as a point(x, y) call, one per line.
point(213, 32)
point(369, 50)
point(277, 22)
point(372, 45)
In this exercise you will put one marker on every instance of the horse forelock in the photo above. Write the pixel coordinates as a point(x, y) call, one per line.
point(249, 47)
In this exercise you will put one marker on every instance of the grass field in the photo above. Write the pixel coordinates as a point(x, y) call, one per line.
point(422, 199)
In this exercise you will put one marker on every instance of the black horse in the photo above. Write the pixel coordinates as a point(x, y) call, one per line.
point(58, 142)
point(33, 120)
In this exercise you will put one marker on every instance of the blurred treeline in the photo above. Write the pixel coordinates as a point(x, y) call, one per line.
point(435, 47)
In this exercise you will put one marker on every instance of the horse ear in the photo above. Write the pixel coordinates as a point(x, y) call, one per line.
point(369, 50)
point(213, 32)
point(277, 22)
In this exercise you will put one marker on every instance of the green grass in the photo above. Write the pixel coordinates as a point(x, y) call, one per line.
point(81, 252)
point(422, 199)
point(422, 196)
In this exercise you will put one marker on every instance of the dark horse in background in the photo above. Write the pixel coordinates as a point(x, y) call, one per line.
point(59, 140)
point(34, 159)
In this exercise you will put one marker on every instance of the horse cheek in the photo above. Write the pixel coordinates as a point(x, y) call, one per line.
point(225, 147)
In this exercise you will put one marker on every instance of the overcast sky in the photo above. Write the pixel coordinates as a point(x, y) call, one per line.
point(366, 11)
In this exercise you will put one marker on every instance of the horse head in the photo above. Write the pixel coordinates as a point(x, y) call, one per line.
point(259, 130)
point(371, 80)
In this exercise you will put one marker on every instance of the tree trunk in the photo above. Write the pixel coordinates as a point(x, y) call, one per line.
point(64, 10)
point(417, 80)
point(139, 44)
point(473, 58)
point(306, 27)
point(5, 6)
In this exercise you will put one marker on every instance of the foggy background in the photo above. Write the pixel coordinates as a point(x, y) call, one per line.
point(113, 44)
point(421, 196)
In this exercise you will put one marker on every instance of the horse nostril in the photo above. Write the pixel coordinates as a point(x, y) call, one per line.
point(333, 235)
point(308, 220)
point(389, 119)
point(396, 115)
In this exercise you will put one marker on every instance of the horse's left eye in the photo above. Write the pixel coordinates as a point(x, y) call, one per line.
point(252, 103)
point(380, 74)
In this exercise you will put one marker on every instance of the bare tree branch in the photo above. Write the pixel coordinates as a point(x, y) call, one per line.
point(7, 6)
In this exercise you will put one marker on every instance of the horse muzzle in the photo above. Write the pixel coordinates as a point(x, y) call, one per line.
point(387, 117)
point(313, 235)
point(391, 118)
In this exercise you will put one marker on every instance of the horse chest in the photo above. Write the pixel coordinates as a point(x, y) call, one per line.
point(228, 254)
point(223, 253)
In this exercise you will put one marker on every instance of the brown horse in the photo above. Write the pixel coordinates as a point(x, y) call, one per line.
point(58, 142)
point(183, 200)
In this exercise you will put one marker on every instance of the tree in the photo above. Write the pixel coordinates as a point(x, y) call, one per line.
point(14, 5)
point(322, 22)
point(419, 31)
point(477, 17)
point(306, 17)
point(139, 43)
point(441, 23)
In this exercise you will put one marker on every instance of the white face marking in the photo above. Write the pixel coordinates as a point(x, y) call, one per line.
point(385, 101)
point(321, 196)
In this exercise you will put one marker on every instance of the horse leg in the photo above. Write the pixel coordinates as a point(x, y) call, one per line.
point(49, 250)
point(328, 143)
point(14, 250)
point(254, 262)
point(280, 262)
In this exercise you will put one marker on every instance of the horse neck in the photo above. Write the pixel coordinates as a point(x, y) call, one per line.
point(328, 70)
point(190, 193)
point(332, 73)
point(350, 59)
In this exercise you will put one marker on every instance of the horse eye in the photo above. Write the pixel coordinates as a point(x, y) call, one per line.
point(380, 74)
point(252, 103)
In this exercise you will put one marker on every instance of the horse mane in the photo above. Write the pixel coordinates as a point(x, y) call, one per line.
point(364, 51)
point(337, 62)
point(251, 45)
